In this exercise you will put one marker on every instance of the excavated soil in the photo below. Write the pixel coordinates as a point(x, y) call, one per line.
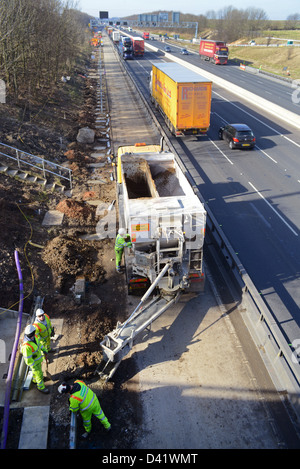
point(52, 258)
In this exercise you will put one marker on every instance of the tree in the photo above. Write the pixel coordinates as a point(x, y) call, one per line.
point(231, 23)
point(292, 21)
point(39, 41)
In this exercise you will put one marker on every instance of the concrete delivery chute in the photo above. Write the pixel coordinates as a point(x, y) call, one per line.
point(166, 222)
point(118, 343)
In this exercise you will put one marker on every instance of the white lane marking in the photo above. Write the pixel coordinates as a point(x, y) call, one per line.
point(260, 215)
point(275, 211)
point(221, 118)
point(142, 67)
point(265, 153)
point(291, 141)
point(220, 151)
point(256, 146)
point(251, 115)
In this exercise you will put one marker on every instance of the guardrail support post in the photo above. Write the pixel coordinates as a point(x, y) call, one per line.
point(18, 158)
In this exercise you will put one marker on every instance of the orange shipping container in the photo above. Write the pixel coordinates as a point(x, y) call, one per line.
point(183, 96)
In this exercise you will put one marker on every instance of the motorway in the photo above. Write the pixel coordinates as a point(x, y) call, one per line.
point(254, 195)
point(275, 90)
point(198, 357)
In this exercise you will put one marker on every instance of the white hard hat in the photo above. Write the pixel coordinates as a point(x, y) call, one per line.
point(122, 232)
point(64, 388)
point(39, 312)
point(29, 330)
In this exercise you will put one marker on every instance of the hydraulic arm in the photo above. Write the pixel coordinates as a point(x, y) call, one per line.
point(118, 343)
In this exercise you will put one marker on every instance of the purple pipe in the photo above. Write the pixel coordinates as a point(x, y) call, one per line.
point(13, 356)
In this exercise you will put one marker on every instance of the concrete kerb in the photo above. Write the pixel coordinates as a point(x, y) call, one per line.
point(281, 113)
point(32, 435)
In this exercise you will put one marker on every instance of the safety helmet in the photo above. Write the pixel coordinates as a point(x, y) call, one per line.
point(39, 312)
point(122, 232)
point(29, 330)
point(63, 388)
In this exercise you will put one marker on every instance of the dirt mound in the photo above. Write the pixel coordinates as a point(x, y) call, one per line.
point(70, 257)
point(76, 210)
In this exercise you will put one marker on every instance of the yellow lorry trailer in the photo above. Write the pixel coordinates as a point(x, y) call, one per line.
point(183, 97)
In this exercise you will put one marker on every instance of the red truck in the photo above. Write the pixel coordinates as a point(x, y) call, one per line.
point(138, 46)
point(214, 51)
point(146, 35)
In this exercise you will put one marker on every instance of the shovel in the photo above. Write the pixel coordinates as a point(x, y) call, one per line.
point(48, 374)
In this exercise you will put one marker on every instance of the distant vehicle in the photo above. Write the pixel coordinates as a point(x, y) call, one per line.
point(237, 136)
point(214, 51)
point(116, 36)
point(128, 55)
point(138, 46)
point(126, 40)
point(146, 35)
point(184, 52)
point(126, 49)
point(167, 49)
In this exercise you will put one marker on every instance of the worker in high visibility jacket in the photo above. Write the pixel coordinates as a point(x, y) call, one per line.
point(84, 400)
point(44, 329)
point(122, 241)
point(34, 353)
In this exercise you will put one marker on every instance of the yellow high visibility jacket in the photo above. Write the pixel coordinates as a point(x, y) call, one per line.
point(81, 399)
point(43, 330)
point(32, 352)
point(121, 242)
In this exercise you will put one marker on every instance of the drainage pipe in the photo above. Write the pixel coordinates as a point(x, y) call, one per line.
point(13, 356)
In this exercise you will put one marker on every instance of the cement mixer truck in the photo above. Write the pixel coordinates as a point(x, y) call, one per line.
point(166, 222)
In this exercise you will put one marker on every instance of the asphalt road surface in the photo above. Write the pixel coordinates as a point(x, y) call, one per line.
point(254, 195)
point(199, 386)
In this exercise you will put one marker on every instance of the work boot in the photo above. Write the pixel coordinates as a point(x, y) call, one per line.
point(44, 391)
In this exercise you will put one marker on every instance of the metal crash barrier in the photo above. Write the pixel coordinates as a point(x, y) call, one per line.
point(261, 324)
point(73, 431)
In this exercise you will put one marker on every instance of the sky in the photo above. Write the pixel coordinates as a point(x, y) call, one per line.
point(274, 9)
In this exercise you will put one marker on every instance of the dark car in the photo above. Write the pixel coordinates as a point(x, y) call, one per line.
point(128, 55)
point(184, 52)
point(167, 49)
point(237, 135)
